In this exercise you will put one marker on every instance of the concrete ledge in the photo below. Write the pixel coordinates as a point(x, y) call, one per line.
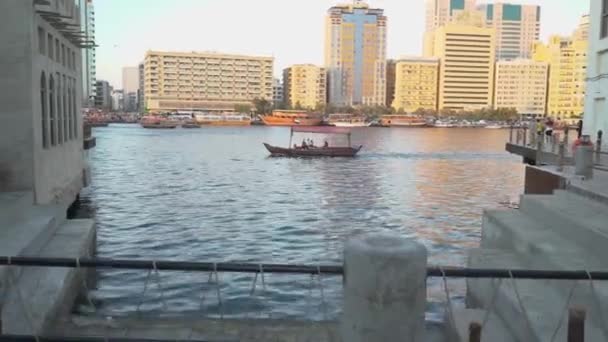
point(37, 295)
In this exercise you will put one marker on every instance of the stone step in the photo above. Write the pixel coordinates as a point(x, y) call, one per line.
point(37, 295)
point(544, 301)
point(569, 218)
point(494, 330)
point(514, 231)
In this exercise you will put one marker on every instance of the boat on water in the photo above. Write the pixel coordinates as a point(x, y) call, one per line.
point(348, 120)
point(292, 118)
point(190, 125)
point(313, 151)
point(225, 119)
point(444, 124)
point(157, 122)
point(494, 126)
point(398, 120)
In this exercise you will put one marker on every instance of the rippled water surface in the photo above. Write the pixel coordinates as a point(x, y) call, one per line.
point(212, 194)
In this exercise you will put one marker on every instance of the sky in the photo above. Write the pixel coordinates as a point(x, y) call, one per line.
point(292, 31)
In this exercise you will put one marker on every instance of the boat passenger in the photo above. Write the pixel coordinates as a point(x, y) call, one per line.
point(326, 145)
point(304, 145)
point(312, 143)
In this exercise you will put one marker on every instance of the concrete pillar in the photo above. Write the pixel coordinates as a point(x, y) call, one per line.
point(384, 289)
point(583, 159)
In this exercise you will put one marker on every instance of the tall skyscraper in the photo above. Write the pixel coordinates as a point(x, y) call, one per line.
point(130, 87)
point(141, 102)
point(466, 77)
point(416, 81)
point(304, 86)
point(87, 26)
point(517, 28)
point(277, 93)
point(521, 84)
point(205, 81)
point(355, 54)
point(441, 12)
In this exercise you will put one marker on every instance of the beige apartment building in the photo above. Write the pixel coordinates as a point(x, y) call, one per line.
point(567, 57)
point(416, 83)
point(522, 84)
point(304, 86)
point(466, 75)
point(205, 81)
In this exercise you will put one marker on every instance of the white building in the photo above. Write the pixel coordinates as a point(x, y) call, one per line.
point(522, 84)
point(118, 100)
point(596, 109)
point(89, 76)
point(277, 92)
point(141, 101)
point(41, 142)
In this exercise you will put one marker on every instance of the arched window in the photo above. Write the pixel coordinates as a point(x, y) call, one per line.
point(59, 121)
point(44, 114)
point(75, 112)
point(52, 111)
point(66, 109)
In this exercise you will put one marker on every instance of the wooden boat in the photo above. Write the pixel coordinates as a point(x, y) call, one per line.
point(347, 120)
point(155, 122)
point(402, 121)
point(341, 151)
point(190, 125)
point(292, 118)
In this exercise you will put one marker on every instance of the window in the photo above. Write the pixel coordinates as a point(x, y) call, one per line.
point(69, 129)
point(604, 21)
point(57, 52)
point(41, 41)
point(66, 109)
point(59, 121)
point(63, 56)
point(50, 46)
point(73, 60)
point(52, 111)
point(74, 111)
point(43, 111)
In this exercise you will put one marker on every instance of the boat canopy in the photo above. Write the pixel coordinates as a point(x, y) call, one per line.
point(320, 129)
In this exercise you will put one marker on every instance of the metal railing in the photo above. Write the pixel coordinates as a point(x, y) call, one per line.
point(576, 316)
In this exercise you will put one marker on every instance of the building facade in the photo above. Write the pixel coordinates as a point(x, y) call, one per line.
point(304, 86)
point(390, 82)
point(103, 95)
point(89, 74)
point(416, 84)
point(567, 57)
point(41, 142)
point(141, 100)
point(118, 100)
point(517, 28)
point(355, 54)
point(466, 76)
point(441, 12)
point(522, 84)
point(277, 93)
point(205, 81)
point(596, 109)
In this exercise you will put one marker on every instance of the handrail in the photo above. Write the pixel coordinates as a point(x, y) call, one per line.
point(335, 270)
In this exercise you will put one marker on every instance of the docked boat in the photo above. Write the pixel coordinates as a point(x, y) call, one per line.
point(444, 124)
point(313, 151)
point(292, 118)
point(190, 125)
point(494, 126)
point(225, 119)
point(402, 121)
point(347, 120)
point(156, 122)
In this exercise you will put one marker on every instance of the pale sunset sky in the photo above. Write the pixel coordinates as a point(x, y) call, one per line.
point(290, 30)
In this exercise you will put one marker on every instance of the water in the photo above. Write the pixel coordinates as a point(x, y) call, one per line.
point(212, 194)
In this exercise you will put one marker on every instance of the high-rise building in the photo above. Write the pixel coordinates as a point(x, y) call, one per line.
point(140, 91)
point(118, 101)
point(304, 86)
point(441, 12)
point(130, 87)
point(103, 95)
point(205, 81)
point(517, 28)
point(466, 76)
point(416, 83)
point(521, 84)
point(567, 57)
point(87, 26)
point(390, 82)
point(355, 54)
point(277, 93)
point(596, 111)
